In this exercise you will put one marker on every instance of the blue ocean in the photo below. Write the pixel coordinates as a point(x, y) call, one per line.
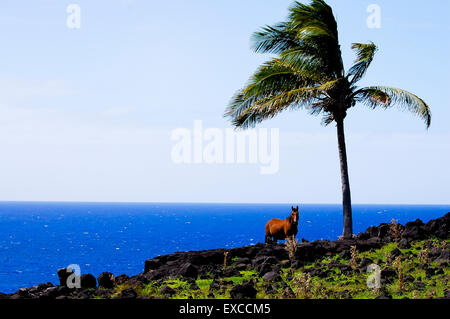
point(38, 238)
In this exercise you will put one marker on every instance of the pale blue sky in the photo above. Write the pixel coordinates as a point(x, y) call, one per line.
point(86, 114)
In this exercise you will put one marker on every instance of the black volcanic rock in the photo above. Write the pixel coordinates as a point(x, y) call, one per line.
point(152, 264)
point(214, 285)
point(193, 286)
point(414, 230)
point(129, 293)
point(263, 269)
point(63, 275)
point(395, 253)
point(404, 244)
point(121, 279)
point(365, 262)
point(277, 252)
point(230, 272)
point(188, 270)
point(243, 260)
point(88, 281)
point(50, 293)
point(264, 260)
point(444, 256)
point(271, 276)
point(383, 230)
point(388, 274)
point(166, 290)
point(246, 290)
point(106, 280)
point(155, 275)
point(434, 252)
point(439, 227)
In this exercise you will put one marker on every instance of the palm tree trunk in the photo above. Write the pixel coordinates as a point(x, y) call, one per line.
point(346, 197)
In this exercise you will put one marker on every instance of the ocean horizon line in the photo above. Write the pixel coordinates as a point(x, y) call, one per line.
point(211, 203)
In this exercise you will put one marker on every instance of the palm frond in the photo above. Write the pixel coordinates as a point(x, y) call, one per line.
point(365, 54)
point(327, 119)
point(274, 39)
point(381, 96)
point(249, 111)
point(271, 78)
point(308, 61)
point(317, 17)
point(316, 28)
point(268, 107)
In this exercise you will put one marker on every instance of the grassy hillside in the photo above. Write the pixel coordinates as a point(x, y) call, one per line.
point(408, 272)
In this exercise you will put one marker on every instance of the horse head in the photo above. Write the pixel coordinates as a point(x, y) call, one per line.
point(294, 215)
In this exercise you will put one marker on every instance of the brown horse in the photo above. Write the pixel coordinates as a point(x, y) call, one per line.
point(282, 229)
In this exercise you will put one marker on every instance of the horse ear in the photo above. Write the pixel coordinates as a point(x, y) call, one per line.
point(297, 208)
point(292, 207)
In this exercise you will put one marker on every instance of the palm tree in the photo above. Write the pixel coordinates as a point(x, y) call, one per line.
point(308, 72)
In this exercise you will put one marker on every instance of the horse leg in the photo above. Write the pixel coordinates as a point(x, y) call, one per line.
point(268, 238)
